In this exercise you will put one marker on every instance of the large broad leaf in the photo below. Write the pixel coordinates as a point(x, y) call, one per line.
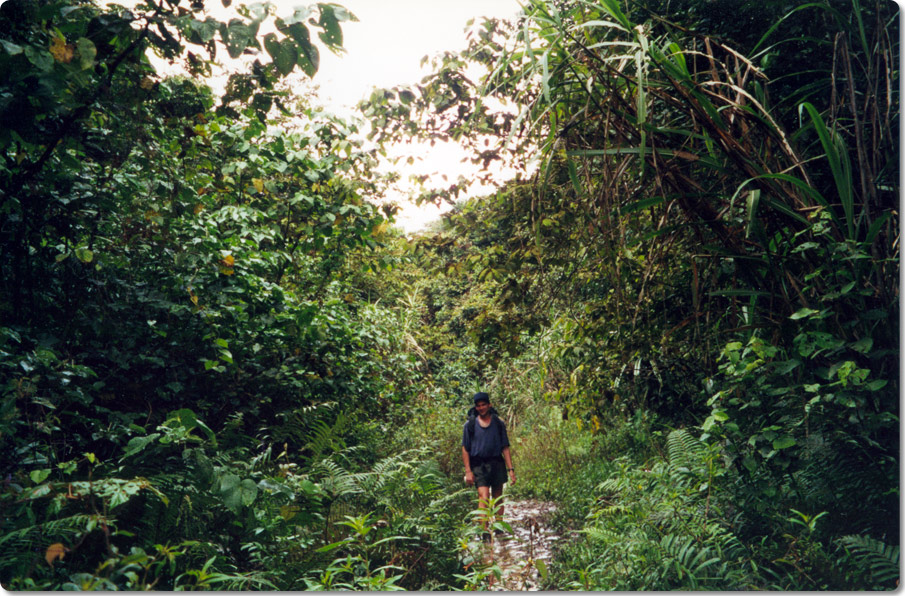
point(202, 31)
point(238, 35)
point(332, 34)
point(784, 442)
point(284, 53)
point(87, 52)
point(248, 491)
point(39, 476)
point(287, 57)
point(308, 56)
point(237, 493)
point(137, 444)
point(272, 45)
point(309, 59)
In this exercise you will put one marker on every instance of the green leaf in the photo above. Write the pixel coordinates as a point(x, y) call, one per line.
point(784, 442)
point(84, 255)
point(308, 55)
point(272, 45)
point(237, 493)
point(573, 176)
point(203, 31)
point(229, 491)
point(785, 366)
point(804, 312)
point(186, 417)
point(137, 444)
point(11, 48)
point(332, 34)
point(541, 569)
point(248, 491)
point(333, 546)
point(840, 165)
point(87, 52)
point(39, 476)
point(863, 345)
point(40, 58)
point(612, 7)
point(749, 463)
point(875, 228)
point(237, 36)
point(753, 200)
point(287, 57)
point(876, 385)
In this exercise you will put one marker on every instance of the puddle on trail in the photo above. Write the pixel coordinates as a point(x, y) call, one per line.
point(532, 540)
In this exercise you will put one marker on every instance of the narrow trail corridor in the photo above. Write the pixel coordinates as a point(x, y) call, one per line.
point(517, 554)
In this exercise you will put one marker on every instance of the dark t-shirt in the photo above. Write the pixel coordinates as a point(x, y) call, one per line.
point(486, 442)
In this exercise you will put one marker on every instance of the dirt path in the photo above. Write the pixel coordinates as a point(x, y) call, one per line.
point(517, 554)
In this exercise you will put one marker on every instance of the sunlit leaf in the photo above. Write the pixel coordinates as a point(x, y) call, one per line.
point(54, 552)
point(84, 255)
point(60, 50)
point(11, 48)
point(39, 476)
point(332, 33)
point(87, 52)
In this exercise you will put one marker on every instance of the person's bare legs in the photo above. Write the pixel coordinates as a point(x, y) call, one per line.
point(497, 493)
point(483, 502)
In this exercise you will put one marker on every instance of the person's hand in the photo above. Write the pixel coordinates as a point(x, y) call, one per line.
point(469, 478)
point(512, 477)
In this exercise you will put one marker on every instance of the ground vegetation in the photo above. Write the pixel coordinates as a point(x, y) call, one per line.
point(223, 367)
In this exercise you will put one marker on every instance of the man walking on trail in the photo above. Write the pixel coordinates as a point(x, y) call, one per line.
point(485, 453)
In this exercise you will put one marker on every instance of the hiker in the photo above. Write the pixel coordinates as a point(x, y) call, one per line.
point(485, 452)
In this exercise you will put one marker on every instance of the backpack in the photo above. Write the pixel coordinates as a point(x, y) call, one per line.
point(471, 420)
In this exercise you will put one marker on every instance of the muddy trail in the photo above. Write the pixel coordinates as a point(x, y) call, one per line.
point(525, 553)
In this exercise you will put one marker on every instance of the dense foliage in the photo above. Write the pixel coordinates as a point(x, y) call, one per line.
point(710, 237)
point(193, 367)
point(222, 368)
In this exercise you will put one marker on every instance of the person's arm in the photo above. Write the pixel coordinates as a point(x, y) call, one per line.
point(508, 457)
point(469, 477)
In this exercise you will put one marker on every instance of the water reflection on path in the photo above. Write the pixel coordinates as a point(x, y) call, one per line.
point(532, 540)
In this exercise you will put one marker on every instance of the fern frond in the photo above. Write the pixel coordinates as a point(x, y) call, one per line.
point(689, 561)
point(603, 535)
point(727, 544)
point(685, 451)
point(21, 544)
point(296, 424)
point(335, 480)
point(880, 559)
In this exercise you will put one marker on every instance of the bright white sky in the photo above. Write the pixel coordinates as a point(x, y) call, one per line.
point(384, 48)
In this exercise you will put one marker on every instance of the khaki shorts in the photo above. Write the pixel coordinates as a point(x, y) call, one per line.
point(489, 472)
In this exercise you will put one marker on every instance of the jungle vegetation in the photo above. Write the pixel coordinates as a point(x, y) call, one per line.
point(223, 367)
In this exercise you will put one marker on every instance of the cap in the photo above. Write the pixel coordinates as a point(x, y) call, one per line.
point(481, 396)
